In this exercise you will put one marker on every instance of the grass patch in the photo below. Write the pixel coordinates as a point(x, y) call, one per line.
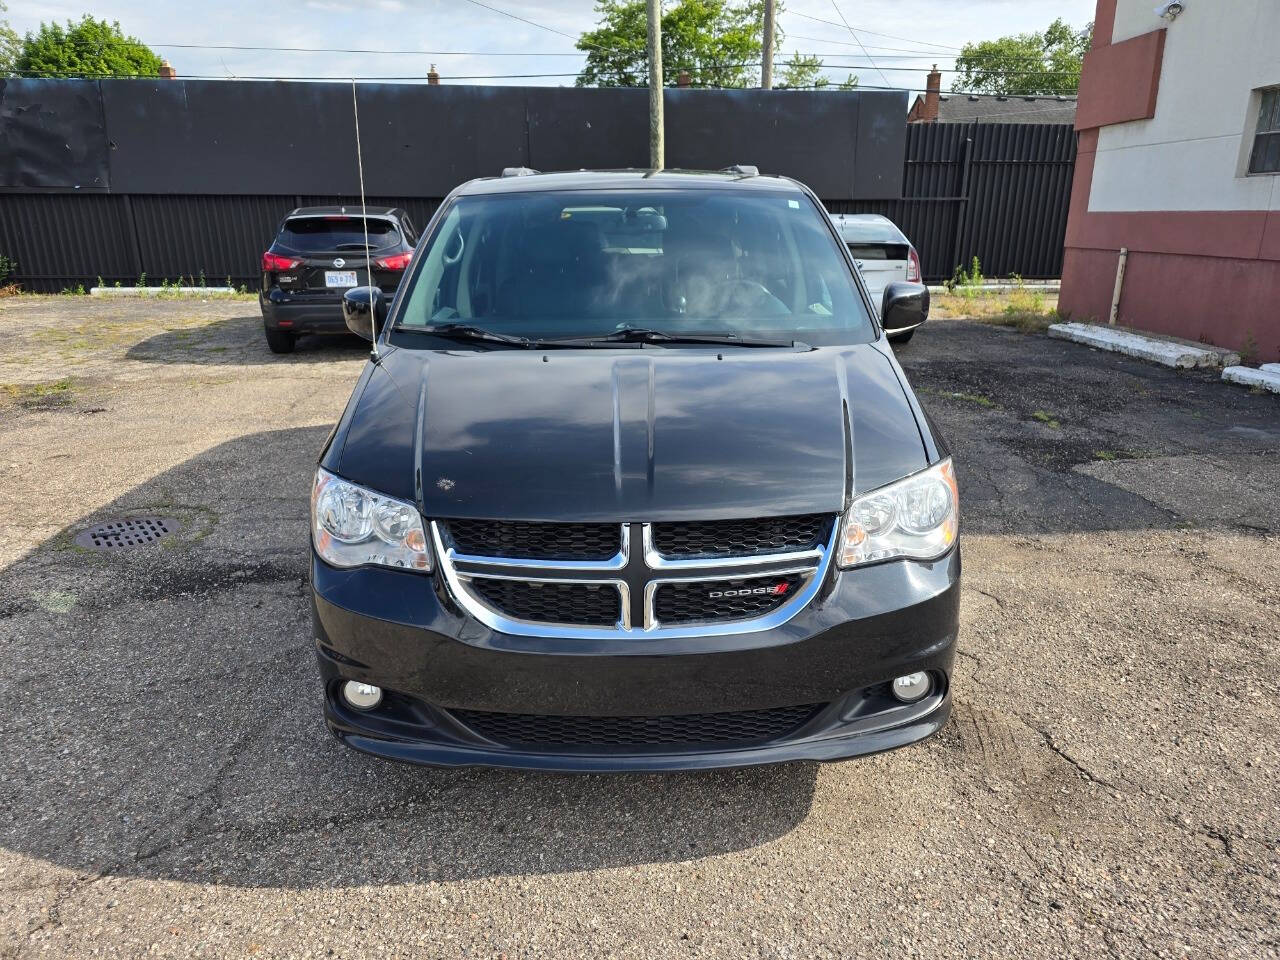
point(38, 396)
point(1028, 311)
point(977, 399)
point(1048, 419)
point(1105, 455)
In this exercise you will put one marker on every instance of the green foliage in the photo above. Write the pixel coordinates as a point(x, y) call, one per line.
point(85, 49)
point(9, 45)
point(7, 267)
point(967, 278)
point(1026, 63)
point(803, 71)
point(715, 41)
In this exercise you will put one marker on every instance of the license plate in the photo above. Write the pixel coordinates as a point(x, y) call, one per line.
point(339, 278)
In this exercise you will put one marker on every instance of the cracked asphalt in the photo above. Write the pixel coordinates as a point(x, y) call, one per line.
point(1108, 784)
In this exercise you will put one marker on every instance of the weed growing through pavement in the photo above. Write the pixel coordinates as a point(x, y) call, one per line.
point(1048, 419)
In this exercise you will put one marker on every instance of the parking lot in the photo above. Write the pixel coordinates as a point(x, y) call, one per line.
point(1108, 784)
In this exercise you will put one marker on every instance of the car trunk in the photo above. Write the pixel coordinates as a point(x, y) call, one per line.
point(333, 254)
point(880, 265)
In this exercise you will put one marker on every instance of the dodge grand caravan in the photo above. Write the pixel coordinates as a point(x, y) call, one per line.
point(633, 481)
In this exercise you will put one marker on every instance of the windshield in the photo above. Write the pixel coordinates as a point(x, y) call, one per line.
point(550, 265)
point(323, 234)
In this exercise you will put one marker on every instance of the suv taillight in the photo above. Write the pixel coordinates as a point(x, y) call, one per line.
point(397, 262)
point(913, 265)
point(274, 263)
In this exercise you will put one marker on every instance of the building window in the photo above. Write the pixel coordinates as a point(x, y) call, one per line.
point(1266, 142)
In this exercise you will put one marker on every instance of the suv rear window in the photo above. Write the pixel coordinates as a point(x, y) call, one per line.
point(315, 234)
point(878, 251)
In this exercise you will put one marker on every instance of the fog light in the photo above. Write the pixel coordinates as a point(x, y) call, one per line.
point(910, 688)
point(362, 696)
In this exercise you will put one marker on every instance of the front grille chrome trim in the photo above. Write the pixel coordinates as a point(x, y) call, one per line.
point(658, 562)
point(624, 599)
point(616, 562)
point(783, 611)
point(458, 570)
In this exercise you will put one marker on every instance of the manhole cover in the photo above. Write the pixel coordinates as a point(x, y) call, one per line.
point(130, 532)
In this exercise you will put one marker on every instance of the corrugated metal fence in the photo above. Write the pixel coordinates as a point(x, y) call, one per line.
point(996, 191)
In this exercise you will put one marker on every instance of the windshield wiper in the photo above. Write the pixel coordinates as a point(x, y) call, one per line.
point(465, 331)
point(649, 335)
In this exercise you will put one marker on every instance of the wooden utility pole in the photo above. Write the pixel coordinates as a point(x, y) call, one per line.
point(766, 48)
point(657, 148)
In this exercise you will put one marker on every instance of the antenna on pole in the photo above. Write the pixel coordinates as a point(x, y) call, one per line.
point(657, 149)
point(364, 214)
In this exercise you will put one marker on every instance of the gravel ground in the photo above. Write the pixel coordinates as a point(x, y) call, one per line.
point(1108, 784)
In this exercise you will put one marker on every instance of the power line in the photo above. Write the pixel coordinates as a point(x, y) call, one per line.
point(514, 16)
point(502, 76)
point(840, 13)
point(424, 53)
point(871, 33)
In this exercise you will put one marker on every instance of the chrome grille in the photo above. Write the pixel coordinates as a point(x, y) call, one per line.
point(693, 729)
point(705, 539)
point(711, 600)
point(536, 541)
point(637, 591)
point(591, 604)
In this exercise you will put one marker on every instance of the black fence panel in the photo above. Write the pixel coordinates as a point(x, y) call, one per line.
point(192, 174)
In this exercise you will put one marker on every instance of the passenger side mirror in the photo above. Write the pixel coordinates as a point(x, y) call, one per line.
point(904, 306)
point(364, 309)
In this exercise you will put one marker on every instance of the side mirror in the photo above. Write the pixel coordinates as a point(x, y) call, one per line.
point(364, 309)
point(904, 306)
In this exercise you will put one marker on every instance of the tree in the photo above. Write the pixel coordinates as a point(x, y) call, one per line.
point(9, 45)
point(804, 71)
point(85, 49)
point(717, 42)
point(1025, 64)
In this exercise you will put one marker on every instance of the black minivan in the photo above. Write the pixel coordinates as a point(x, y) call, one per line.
point(633, 481)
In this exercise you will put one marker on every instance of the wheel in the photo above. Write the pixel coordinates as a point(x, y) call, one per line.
point(898, 339)
point(281, 341)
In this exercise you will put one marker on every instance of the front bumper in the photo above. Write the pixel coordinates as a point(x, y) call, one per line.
point(403, 632)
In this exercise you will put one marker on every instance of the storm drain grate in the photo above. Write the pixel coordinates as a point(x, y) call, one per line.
point(130, 532)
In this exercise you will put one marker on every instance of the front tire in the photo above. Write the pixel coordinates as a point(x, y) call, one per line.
point(281, 341)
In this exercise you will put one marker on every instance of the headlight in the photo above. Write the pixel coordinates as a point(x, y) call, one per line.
point(351, 526)
point(917, 517)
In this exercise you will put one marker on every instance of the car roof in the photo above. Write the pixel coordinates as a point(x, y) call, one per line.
point(868, 227)
point(350, 210)
point(636, 179)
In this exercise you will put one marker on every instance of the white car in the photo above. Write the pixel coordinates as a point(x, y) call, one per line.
point(883, 254)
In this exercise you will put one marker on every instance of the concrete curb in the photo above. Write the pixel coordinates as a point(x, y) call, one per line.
point(157, 291)
point(1170, 353)
point(1267, 379)
point(1047, 287)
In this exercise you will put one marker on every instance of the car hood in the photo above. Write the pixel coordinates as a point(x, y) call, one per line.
point(629, 435)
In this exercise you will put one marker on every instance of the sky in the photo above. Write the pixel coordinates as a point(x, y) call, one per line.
point(892, 43)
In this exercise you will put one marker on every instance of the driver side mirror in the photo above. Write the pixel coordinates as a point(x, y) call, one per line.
point(364, 309)
point(904, 306)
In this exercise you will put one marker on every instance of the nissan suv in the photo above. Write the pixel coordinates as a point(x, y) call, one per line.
point(633, 481)
point(318, 254)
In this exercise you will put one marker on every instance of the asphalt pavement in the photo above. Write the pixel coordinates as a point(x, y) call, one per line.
point(1108, 783)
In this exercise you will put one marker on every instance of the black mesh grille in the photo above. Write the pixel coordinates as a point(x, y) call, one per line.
point(746, 726)
point(576, 603)
point(700, 539)
point(712, 600)
point(536, 541)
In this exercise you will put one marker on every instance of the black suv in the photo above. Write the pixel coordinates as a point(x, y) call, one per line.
point(633, 481)
point(318, 254)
